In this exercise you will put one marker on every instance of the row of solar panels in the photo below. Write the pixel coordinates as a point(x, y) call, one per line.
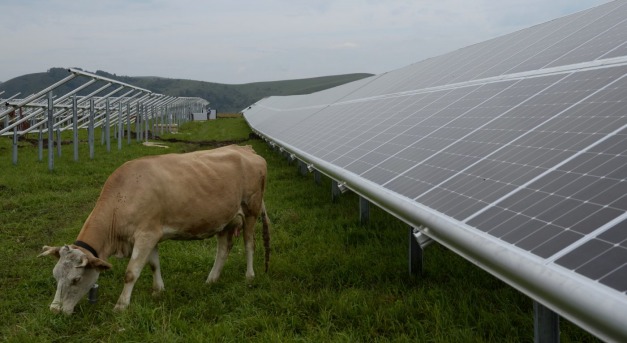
point(517, 144)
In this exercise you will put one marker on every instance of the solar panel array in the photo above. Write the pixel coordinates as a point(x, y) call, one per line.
point(521, 140)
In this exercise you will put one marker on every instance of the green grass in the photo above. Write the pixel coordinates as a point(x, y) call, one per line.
point(330, 279)
point(226, 129)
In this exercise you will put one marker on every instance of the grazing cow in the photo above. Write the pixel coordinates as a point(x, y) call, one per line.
point(176, 196)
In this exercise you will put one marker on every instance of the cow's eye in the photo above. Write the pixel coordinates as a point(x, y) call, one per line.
point(76, 280)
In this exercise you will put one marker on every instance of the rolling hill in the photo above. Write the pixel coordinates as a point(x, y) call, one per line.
point(224, 97)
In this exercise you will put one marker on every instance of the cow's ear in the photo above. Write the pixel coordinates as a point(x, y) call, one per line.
point(50, 251)
point(99, 264)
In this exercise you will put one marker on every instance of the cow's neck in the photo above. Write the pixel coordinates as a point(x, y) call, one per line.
point(92, 241)
point(97, 232)
point(87, 247)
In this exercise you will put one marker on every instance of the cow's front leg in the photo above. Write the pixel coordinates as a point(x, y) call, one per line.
point(157, 281)
point(249, 243)
point(144, 245)
point(225, 243)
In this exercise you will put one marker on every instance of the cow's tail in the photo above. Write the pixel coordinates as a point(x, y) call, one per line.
point(266, 233)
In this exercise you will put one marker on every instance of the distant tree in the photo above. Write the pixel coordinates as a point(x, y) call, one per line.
point(58, 73)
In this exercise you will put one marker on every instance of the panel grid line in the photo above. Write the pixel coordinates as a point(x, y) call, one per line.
point(563, 162)
point(554, 44)
point(586, 238)
point(582, 44)
point(501, 115)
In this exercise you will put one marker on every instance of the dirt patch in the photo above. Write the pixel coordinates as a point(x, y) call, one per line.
point(209, 143)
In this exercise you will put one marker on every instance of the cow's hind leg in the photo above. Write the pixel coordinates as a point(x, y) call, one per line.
point(157, 281)
point(249, 243)
point(144, 246)
point(225, 243)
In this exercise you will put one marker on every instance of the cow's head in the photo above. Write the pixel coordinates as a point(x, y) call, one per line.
point(76, 272)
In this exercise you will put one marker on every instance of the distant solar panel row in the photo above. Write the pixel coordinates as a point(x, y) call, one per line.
point(523, 137)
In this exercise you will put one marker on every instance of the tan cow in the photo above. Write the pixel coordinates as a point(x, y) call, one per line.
point(176, 196)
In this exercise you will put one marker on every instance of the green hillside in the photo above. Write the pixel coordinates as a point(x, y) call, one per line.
point(224, 97)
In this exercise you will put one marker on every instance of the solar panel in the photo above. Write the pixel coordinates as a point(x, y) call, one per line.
point(517, 144)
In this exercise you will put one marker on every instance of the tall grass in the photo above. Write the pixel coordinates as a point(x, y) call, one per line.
point(330, 279)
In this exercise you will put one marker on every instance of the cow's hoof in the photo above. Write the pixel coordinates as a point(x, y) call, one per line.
point(211, 280)
point(156, 290)
point(119, 308)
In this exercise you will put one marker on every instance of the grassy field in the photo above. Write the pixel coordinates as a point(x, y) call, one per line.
point(330, 279)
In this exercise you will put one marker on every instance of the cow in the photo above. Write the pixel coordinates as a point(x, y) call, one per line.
point(145, 201)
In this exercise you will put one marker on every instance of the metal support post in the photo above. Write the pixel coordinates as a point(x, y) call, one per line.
point(317, 177)
point(107, 124)
point(163, 127)
point(146, 123)
point(90, 128)
point(40, 145)
point(59, 142)
point(546, 324)
point(335, 191)
point(14, 160)
point(120, 126)
point(138, 119)
point(75, 126)
point(155, 121)
point(50, 132)
point(302, 168)
point(128, 123)
point(168, 119)
point(364, 210)
point(415, 255)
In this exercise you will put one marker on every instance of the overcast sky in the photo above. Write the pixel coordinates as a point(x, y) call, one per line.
point(241, 41)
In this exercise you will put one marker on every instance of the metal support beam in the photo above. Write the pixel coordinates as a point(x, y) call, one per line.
point(546, 324)
point(38, 94)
